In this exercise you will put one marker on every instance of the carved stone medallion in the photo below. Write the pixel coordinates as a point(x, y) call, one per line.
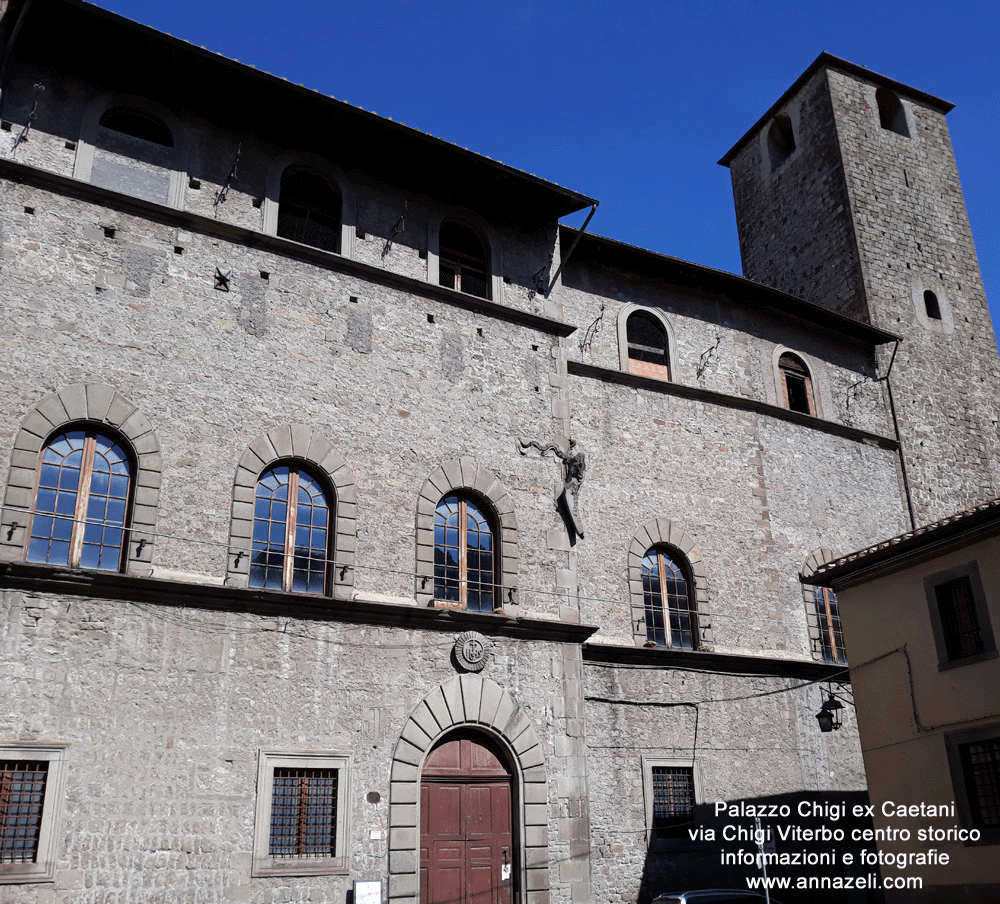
point(470, 651)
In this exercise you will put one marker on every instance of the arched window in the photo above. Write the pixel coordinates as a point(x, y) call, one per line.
point(82, 502)
point(309, 209)
point(137, 124)
point(667, 596)
point(780, 140)
point(648, 353)
point(465, 560)
point(291, 531)
point(463, 262)
point(796, 384)
point(133, 154)
point(891, 115)
point(831, 637)
point(931, 305)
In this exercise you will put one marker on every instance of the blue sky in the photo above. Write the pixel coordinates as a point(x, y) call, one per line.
point(629, 102)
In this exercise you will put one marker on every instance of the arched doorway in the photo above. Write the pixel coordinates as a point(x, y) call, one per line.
point(466, 829)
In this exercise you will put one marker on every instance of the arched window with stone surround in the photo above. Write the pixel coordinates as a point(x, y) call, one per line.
point(465, 554)
point(309, 207)
point(670, 616)
point(796, 384)
point(292, 530)
point(648, 346)
point(83, 499)
point(134, 146)
point(780, 140)
point(464, 262)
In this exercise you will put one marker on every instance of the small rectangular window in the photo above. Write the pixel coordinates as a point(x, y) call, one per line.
point(959, 617)
point(304, 813)
point(22, 793)
point(671, 791)
point(31, 783)
point(673, 798)
point(959, 623)
point(302, 821)
point(974, 762)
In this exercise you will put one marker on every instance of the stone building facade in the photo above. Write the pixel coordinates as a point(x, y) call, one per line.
point(551, 493)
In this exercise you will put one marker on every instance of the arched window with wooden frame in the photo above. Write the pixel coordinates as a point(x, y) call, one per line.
point(830, 641)
point(671, 619)
point(464, 262)
point(648, 346)
point(292, 530)
point(465, 554)
point(309, 207)
point(796, 384)
point(83, 499)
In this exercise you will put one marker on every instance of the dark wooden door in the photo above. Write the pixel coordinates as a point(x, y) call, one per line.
point(466, 841)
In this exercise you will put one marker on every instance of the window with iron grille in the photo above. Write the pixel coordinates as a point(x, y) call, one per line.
point(666, 588)
point(959, 623)
point(22, 794)
point(673, 798)
point(309, 209)
point(981, 767)
point(291, 531)
point(826, 613)
point(465, 560)
point(304, 813)
point(463, 263)
point(31, 788)
point(302, 824)
point(82, 501)
point(671, 791)
point(959, 616)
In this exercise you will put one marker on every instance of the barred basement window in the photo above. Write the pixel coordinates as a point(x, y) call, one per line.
point(302, 824)
point(82, 501)
point(463, 262)
point(669, 605)
point(31, 791)
point(673, 798)
point(309, 209)
point(304, 813)
point(22, 794)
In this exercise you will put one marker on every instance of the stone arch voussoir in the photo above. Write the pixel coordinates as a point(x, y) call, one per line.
point(468, 701)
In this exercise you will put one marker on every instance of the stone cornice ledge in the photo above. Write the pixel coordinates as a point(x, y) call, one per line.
point(111, 585)
point(22, 172)
point(578, 368)
point(721, 663)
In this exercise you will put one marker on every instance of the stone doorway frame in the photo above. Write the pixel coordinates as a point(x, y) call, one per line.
point(469, 701)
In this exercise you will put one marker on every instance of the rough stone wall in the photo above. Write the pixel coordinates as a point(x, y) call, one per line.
point(722, 344)
point(864, 220)
point(750, 739)
point(755, 494)
point(913, 233)
point(213, 370)
point(794, 219)
point(165, 710)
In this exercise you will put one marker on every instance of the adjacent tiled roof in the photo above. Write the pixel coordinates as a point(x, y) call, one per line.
point(966, 524)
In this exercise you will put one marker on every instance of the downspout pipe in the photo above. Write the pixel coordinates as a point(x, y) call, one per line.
point(899, 438)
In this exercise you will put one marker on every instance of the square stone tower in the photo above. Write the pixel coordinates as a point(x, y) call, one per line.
point(847, 195)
